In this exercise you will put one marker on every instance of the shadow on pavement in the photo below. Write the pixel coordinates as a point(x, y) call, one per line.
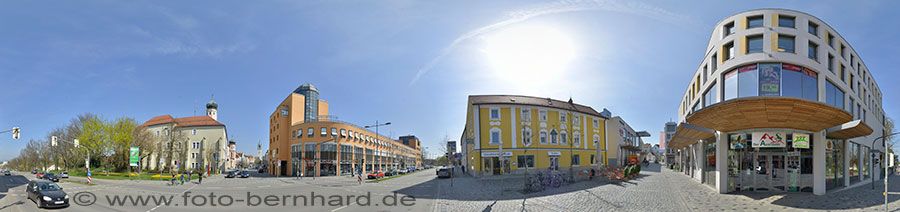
point(862, 196)
point(467, 188)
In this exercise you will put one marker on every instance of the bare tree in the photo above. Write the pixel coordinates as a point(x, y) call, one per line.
point(146, 142)
point(888, 130)
point(174, 146)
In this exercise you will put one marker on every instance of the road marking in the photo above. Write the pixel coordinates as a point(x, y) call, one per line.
point(157, 206)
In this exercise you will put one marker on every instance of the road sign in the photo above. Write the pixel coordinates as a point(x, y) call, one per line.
point(53, 140)
point(134, 156)
point(76, 142)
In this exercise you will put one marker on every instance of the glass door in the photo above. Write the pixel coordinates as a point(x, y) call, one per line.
point(779, 172)
point(554, 163)
point(761, 173)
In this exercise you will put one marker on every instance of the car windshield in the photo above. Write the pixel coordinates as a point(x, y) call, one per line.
point(49, 175)
point(48, 187)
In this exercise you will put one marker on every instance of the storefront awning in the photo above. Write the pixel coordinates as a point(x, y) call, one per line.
point(769, 112)
point(694, 132)
point(679, 142)
point(852, 129)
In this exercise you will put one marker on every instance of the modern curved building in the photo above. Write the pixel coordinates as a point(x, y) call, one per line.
point(780, 102)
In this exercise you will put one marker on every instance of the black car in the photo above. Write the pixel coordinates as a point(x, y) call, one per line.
point(231, 174)
point(50, 177)
point(46, 194)
point(245, 174)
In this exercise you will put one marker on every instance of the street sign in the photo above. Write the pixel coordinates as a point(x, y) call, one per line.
point(135, 156)
point(76, 142)
point(53, 140)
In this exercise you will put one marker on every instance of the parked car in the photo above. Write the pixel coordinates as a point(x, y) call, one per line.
point(245, 174)
point(392, 172)
point(6, 173)
point(375, 175)
point(34, 171)
point(411, 169)
point(50, 177)
point(46, 194)
point(39, 175)
point(230, 174)
point(445, 172)
point(63, 174)
point(438, 170)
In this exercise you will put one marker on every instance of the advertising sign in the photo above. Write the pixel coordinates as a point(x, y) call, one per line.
point(769, 79)
point(738, 141)
point(768, 139)
point(801, 141)
point(134, 156)
point(495, 154)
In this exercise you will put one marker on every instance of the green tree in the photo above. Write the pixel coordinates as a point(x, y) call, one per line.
point(95, 139)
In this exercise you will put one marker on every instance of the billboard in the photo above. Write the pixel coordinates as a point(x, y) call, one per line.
point(768, 139)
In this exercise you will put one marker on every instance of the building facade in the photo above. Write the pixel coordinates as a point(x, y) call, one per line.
point(666, 137)
point(190, 143)
point(623, 142)
point(508, 134)
point(780, 102)
point(305, 140)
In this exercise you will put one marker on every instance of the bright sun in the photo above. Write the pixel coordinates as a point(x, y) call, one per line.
point(529, 53)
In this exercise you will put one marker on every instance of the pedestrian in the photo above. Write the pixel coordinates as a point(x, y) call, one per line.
point(182, 179)
point(593, 172)
point(200, 175)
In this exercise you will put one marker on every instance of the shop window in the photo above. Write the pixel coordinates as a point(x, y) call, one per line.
point(731, 84)
point(748, 81)
point(523, 161)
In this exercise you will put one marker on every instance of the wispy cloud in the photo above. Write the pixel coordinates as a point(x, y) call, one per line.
point(557, 7)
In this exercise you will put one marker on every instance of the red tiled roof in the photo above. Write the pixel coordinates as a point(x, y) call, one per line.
point(197, 121)
point(158, 120)
point(183, 122)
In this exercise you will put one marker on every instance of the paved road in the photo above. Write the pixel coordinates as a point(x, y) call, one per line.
point(656, 190)
point(258, 192)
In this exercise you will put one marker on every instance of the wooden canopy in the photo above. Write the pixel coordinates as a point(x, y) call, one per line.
point(853, 129)
point(679, 142)
point(769, 112)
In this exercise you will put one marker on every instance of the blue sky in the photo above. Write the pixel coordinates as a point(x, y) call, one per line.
point(409, 62)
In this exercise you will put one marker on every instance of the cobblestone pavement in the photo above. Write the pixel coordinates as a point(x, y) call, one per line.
point(655, 190)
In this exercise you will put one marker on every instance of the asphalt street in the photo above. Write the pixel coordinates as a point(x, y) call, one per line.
point(236, 194)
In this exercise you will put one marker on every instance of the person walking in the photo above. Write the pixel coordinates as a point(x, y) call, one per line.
point(182, 179)
point(200, 176)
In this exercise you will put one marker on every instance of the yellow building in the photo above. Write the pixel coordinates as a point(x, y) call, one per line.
point(504, 134)
point(303, 138)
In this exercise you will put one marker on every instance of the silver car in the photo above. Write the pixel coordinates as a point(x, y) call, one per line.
point(63, 175)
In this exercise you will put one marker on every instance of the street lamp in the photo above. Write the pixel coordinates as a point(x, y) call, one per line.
point(376, 128)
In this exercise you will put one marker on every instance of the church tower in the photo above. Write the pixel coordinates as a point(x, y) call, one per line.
point(212, 110)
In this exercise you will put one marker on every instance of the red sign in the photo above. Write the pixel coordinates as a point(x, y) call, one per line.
point(747, 68)
point(791, 67)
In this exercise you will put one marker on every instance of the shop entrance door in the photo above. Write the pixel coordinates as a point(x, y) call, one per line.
point(770, 173)
point(554, 162)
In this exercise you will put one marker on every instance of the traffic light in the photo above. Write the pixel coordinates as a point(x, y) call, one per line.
point(15, 132)
point(52, 140)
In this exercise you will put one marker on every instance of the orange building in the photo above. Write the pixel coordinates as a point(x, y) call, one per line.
point(304, 139)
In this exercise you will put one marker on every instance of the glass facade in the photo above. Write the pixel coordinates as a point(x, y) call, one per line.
point(834, 164)
point(771, 79)
point(709, 97)
point(754, 44)
point(834, 96)
point(854, 162)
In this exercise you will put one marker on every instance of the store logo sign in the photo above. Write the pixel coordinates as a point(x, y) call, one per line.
point(768, 139)
point(801, 141)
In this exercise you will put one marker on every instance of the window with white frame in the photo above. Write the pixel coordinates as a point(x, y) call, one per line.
point(554, 137)
point(596, 140)
point(195, 145)
point(324, 131)
point(575, 119)
point(562, 117)
point(334, 131)
point(542, 115)
point(310, 131)
point(526, 136)
point(495, 113)
point(543, 136)
point(596, 123)
point(576, 139)
point(194, 132)
point(526, 114)
point(496, 136)
point(343, 133)
point(564, 138)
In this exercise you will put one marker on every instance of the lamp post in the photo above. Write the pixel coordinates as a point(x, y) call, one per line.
point(376, 130)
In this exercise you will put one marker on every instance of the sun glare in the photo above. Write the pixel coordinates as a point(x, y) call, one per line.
point(529, 53)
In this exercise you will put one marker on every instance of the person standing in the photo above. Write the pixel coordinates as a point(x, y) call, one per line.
point(200, 176)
